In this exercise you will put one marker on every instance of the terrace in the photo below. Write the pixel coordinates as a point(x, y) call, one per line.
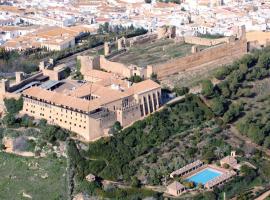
point(220, 180)
point(209, 176)
point(187, 169)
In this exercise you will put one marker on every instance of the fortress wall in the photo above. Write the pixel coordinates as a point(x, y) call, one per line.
point(262, 38)
point(24, 82)
point(219, 55)
point(128, 115)
point(88, 62)
point(205, 41)
point(115, 67)
point(141, 39)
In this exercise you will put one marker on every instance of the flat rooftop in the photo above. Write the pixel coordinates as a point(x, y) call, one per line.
point(156, 52)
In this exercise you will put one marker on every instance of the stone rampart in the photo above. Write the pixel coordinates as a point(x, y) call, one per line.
point(142, 39)
point(206, 41)
point(218, 55)
point(114, 67)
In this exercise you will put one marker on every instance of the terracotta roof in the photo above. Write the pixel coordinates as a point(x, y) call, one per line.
point(142, 87)
point(61, 99)
point(105, 94)
point(229, 160)
point(220, 179)
point(176, 186)
point(186, 168)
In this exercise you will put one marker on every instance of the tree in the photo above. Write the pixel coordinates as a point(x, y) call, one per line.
point(207, 88)
point(226, 166)
point(244, 92)
point(255, 133)
point(242, 196)
point(218, 106)
point(209, 195)
point(9, 119)
point(209, 155)
point(76, 160)
point(233, 112)
point(264, 60)
point(243, 68)
point(26, 121)
point(135, 182)
point(135, 79)
point(224, 89)
point(115, 128)
point(222, 73)
point(267, 142)
point(13, 106)
point(154, 78)
point(42, 123)
point(189, 184)
point(180, 91)
point(265, 169)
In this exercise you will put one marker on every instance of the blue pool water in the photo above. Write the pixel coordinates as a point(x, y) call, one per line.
point(204, 176)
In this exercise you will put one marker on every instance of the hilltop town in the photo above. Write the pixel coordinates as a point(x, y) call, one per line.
point(134, 99)
point(30, 20)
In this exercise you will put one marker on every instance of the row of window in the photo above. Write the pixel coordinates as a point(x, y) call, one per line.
point(69, 123)
point(49, 106)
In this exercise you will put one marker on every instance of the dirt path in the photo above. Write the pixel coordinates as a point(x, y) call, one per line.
point(264, 195)
point(247, 140)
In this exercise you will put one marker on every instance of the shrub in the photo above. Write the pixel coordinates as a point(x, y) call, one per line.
point(181, 91)
point(13, 106)
point(207, 88)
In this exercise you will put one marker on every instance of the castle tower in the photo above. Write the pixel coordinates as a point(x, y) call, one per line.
point(4, 86)
point(51, 61)
point(243, 32)
point(194, 49)
point(121, 43)
point(240, 32)
point(233, 153)
point(161, 31)
point(172, 32)
point(107, 49)
point(41, 65)
point(19, 77)
point(88, 63)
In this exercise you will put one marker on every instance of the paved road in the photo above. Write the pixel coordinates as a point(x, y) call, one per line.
point(264, 195)
point(71, 60)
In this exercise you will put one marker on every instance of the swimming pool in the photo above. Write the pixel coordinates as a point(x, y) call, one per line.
point(204, 176)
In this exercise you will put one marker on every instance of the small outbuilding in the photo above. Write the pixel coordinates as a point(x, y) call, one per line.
point(175, 188)
point(231, 161)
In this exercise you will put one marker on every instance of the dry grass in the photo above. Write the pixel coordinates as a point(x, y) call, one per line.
point(151, 53)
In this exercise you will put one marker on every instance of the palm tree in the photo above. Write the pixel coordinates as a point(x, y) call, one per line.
point(219, 152)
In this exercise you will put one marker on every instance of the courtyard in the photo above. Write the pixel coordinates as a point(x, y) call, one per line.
point(155, 52)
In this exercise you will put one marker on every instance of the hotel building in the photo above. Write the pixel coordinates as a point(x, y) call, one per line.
point(91, 108)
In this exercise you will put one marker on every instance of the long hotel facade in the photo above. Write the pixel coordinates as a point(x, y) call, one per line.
point(91, 109)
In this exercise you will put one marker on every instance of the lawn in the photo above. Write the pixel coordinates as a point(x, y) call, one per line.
point(28, 175)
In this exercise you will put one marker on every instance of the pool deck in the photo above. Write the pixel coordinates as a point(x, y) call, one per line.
point(214, 167)
point(225, 175)
point(209, 180)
